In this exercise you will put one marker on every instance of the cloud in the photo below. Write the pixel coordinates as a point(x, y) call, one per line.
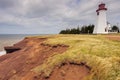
point(51, 16)
point(7, 3)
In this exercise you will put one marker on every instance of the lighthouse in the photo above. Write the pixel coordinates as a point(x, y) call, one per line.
point(101, 27)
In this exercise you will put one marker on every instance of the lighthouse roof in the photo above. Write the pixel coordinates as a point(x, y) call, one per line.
point(101, 7)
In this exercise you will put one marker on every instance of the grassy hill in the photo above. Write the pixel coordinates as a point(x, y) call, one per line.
point(101, 53)
point(63, 57)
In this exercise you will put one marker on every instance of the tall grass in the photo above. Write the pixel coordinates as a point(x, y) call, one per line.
point(99, 53)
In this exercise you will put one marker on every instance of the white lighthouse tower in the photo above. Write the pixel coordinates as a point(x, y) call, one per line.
point(101, 27)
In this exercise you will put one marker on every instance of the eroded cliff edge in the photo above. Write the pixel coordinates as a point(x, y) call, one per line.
point(63, 57)
point(32, 53)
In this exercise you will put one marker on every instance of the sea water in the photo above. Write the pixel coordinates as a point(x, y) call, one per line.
point(10, 39)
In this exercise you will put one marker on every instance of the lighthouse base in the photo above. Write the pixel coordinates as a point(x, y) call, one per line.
point(100, 33)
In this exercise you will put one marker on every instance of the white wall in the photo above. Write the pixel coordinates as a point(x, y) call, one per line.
point(101, 23)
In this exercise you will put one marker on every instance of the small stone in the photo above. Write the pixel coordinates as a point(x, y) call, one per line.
point(14, 71)
point(63, 72)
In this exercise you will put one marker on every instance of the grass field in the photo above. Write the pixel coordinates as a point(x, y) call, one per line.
point(96, 51)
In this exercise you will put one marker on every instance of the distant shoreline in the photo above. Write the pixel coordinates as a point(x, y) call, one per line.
point(10, 39)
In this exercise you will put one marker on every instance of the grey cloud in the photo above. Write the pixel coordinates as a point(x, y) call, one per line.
point(8, 3)
point(45, 8)
point(50, 16)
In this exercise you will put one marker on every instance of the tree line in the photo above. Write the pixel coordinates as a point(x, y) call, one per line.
point(115, 29)
point(83, 30)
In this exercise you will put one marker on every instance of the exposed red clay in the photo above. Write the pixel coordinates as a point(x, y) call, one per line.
point(68, 72)
point(18, 65)
point(113, 37)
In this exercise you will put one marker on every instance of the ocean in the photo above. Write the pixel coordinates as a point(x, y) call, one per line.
point(10, 39)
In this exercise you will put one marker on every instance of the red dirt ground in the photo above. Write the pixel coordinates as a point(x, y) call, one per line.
point(113, 37)
point(69, 72)
point(18, 65)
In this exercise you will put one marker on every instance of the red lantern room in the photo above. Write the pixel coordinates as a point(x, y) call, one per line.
point(101, 7)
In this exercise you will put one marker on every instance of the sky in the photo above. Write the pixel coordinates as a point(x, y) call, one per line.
point(52, 16)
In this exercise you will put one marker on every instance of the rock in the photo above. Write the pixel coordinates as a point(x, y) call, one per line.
point(14, 71)
point(10, 49)
point(63, 72)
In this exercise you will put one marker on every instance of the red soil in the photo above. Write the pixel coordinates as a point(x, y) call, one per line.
point(70, 72)
point(113, 37)
point(18, 65)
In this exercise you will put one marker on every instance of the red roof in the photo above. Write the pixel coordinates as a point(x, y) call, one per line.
point(101, 7)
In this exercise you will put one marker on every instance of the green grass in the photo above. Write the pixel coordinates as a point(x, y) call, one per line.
point(98, 52)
